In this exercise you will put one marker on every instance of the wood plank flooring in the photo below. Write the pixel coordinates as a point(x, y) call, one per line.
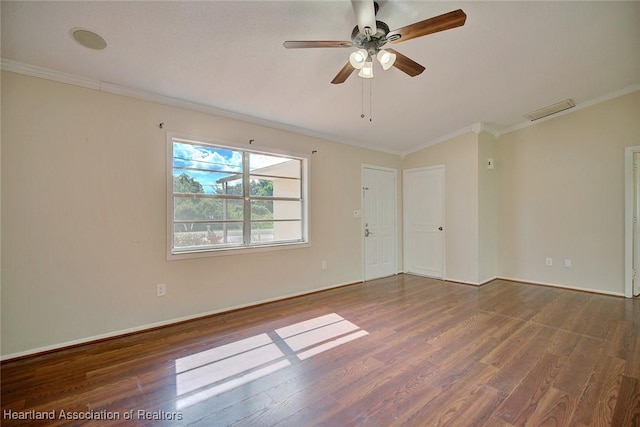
point(399, 351)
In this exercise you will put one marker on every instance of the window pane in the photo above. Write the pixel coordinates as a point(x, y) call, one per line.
point(261, 209)
point(287, 209)
point(261, 187)
point(206, 158)
point(276, 231)
point(205, 169)
point(274, 166)
point(276, 209)
point(259, 161)
point(275, 187)
point(200, 182)
point(202, 209)
point(229, 185)
point(232, 233)
point(203, 235)
point(261, 232)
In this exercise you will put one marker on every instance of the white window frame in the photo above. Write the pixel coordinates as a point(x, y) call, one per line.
point(247, 247)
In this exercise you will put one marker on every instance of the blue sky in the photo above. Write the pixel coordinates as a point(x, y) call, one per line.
point(214, 163)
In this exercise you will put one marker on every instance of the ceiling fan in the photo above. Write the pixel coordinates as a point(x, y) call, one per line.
point(370, 36)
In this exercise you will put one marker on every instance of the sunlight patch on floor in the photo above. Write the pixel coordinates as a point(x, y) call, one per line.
point(208, 373)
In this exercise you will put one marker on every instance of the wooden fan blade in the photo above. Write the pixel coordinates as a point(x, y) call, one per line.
point(343, 74)
point(365, 15)
point(305, 44)
point(428, 26)
point(406, 65)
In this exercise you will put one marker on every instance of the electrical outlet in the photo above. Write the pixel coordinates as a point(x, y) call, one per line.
point(549, 262)
point(324, 265)
point(567, 263)
point(161, 290)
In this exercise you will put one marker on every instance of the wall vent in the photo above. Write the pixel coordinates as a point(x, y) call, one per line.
point(551, 109)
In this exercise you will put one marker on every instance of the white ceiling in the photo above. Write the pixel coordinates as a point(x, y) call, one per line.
point(508, 59)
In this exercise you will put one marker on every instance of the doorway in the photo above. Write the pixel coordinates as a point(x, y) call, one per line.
point(379, 202)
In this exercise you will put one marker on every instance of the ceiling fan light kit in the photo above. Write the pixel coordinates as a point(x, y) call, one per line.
point(370, 36)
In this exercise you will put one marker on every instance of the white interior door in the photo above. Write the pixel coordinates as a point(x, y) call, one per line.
point(423, 194)
point(379, 221)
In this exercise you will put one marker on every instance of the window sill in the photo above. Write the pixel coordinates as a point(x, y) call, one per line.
point(235, 251)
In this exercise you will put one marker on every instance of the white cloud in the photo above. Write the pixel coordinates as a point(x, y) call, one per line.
point(207, 158)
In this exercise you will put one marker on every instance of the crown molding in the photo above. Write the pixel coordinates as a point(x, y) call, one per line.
point(482, 127)
point(112, 88)
point(72, 79)
point(438, 140)
point(45, 73)
point(475, 128)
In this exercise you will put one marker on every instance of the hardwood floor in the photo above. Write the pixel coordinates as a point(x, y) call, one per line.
point(399, 351)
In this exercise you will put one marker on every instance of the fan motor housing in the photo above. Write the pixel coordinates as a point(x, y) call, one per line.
point(373, 42)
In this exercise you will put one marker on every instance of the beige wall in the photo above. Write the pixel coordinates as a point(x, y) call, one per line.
point(557, 191)
point(84, 211)
point(471, 203)
point(460, 158)
point(487, 207)
point(562, 196)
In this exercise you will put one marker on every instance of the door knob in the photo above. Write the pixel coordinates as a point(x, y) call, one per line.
point(440, 228)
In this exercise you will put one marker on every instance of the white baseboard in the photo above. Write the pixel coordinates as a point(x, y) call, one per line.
point(149, 326)
point(557, 285)
point(533, 282)
point(467, 282)
point(463, 282)
point(169, 322)
point(491, 279)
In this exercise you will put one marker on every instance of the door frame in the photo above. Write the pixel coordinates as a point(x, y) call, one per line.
point(363, 213)
point(629, 197)
point(441, 167)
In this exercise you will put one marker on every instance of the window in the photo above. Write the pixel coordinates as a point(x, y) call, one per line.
point(226, 197)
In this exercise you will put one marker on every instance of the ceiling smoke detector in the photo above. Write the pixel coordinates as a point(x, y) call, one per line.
point(551, 109)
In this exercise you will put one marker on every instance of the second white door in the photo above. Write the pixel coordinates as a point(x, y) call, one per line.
point(423, 194)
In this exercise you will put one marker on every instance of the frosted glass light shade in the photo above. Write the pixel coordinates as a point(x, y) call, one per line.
point(358, 58)
point(366, 72)
point(386, 59)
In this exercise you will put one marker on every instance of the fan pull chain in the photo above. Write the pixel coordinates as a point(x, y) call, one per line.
point(370, 102)
point(362, 99)
point(362, 116)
